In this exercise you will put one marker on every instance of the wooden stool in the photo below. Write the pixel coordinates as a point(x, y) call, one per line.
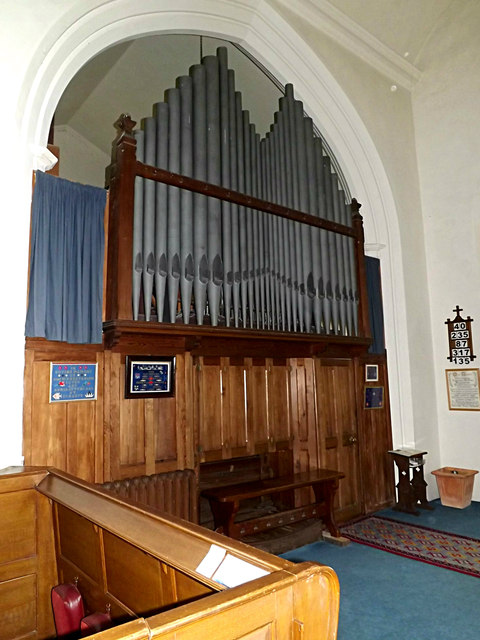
point(411, 489)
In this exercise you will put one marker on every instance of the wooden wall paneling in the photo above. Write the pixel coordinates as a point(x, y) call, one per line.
point(80, 438)
point(187, 408)
point(183, 416)
point(152, 426)
point(278, 390)
point(338, 428)
point(375, 439)
point(99, 424)
point(111, 421)
point(67, 435)
point(132, 432)
point(257, 404)
point(49, 428)
point(165, 431)
point(28, 406)
point(209, 391)
point(235, 407)
point(304, 420)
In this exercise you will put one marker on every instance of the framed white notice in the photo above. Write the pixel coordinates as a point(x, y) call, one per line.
point(463, 388)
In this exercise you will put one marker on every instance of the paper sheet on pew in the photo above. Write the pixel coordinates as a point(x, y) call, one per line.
point(226, 569)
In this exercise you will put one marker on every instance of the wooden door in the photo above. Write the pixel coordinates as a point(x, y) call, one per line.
point(375, 437)
point(338, 432)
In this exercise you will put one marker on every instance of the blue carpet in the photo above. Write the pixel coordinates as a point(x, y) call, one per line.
point(384, 597)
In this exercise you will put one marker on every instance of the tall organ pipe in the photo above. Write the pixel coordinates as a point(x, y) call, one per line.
point(312, 283)
point(260, 228)
point(225, 181)
point(202, 273)
point(287, 200)
point(306, 250)
point(324, 288)
point(184, 84)
point(173, 236)
point(137, 264)
point(277, 247)
point(241, 210)
point(232, 127)
point(254, 139)
point(296, 240)
point(213, 176)
point(248, 221)
point(349, 266)
point(149, 126)
point(339, 253)
point(266, 243)
point(161, 203)
point(335, 289)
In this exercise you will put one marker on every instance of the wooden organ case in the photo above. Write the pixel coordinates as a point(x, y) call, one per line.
point(241, 258)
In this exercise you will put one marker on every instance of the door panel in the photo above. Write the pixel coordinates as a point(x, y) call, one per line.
point(337, 422)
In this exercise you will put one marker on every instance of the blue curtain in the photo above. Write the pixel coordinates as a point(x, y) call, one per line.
point(66, 261)
point(375, 305)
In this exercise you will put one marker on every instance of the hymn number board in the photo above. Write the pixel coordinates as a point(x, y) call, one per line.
point(460, 338)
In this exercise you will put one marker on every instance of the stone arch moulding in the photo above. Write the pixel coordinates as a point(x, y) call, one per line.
point(83, 33)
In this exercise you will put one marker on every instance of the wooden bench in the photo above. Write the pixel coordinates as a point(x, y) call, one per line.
point(225, 502)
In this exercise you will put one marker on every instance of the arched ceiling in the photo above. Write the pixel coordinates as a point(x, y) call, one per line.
point(131, 76)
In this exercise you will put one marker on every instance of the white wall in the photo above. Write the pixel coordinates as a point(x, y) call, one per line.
point(446, 110)
point(87, 165)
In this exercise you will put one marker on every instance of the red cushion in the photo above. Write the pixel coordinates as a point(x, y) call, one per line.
point(95, 622)
point(68, 608)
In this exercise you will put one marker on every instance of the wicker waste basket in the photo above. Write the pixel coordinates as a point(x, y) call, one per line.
point(455, 486)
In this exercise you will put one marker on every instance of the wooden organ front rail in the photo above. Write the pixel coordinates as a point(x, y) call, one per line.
point(148, 571)
point(235, 238)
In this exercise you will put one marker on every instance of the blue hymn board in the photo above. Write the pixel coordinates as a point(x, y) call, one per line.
point(71, 382)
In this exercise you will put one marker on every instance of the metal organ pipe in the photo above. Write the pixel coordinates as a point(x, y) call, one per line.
point(137, 262)
point(161, 203)
point(225, 181)
point(224, 262)
point(202, 273)
point(232, 128)
point(149, 127)
point(213, 176)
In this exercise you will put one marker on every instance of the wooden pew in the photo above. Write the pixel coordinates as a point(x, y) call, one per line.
point(225, 502)
point(149, 571)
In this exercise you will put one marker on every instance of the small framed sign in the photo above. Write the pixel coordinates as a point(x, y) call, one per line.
point(149, 376)
point(373, 398)
point(371, 372)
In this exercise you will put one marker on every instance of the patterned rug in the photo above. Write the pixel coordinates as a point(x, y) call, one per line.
point(447, 550)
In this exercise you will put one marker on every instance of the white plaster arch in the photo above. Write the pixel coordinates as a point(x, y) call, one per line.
point(87, 28)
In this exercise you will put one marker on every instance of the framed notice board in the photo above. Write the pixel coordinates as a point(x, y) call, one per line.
point(373, 398)
point(73, 381)
point(149, 376)
point(463, 388)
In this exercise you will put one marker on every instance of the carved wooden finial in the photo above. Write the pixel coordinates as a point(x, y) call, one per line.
point(355, 205)
point(125, 125)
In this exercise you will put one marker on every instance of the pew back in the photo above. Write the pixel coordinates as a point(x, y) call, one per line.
point(146, 569)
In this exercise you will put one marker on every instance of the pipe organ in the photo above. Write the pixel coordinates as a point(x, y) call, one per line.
point(199, 259)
